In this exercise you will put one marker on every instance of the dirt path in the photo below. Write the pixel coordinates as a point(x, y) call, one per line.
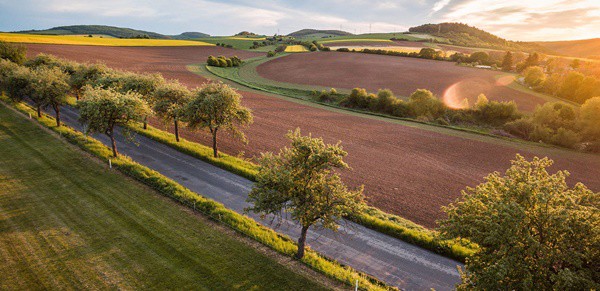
point(406, 170)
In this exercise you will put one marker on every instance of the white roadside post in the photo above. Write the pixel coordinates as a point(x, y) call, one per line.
point(356, 287)
point(109, 163)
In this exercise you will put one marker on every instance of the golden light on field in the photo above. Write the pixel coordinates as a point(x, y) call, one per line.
point(453, 99)
point(99, 41)
point(505, 80)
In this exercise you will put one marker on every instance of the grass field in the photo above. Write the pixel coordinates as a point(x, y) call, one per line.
point(82, 40)
point(70, 223)
point(296, 49)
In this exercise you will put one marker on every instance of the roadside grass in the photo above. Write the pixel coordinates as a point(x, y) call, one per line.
point(70, 223)
point(296, 49)
point(212, 209)
point(95, 41)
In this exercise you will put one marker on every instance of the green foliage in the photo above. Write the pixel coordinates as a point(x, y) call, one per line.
point(534, 76)
point(495, 113)
point(218, 106)
point(507, 62)
point(533, 230)
point(270, 54)
point(422, 103)
point(16, 81)
point(589, 119)
point(13, 52)
point(50, 87)
point(50, 61)
point(224, 62)
point(86, 75)
point(101, 110)
point(302, 181)
point(479, 57)
point(169, 101)
point(143, 84)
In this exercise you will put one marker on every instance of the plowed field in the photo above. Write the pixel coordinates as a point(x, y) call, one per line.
point(408, 169)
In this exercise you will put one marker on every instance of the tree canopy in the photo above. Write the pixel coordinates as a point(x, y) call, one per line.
point(101, 110)
point(302, 181)
point(534, 231)
point(217, 106)
point(169, 102)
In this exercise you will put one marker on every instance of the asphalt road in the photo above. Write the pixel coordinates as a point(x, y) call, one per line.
point(391, 260)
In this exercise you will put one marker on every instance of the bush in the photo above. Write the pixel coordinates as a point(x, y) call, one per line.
point(521, 127)
point(496, 113)
point(534, 76)
point(589, 120)
point(423, 104)
point(270, 54)
point(343, 49)
point(479, 57)
point(385, 101)
point(223, 62)
point(14, 53)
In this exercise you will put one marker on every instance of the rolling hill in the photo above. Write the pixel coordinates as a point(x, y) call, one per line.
point(586, 48)
point(306, 32)
point(119, 32)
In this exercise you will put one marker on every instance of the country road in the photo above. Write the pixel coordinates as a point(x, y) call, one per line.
point(391, 260)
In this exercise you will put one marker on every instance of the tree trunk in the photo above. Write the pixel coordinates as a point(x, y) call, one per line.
point(145, 122)
point(176, 130)
point(57, 111)
point(39, 111)
point(114, 144)
point(215, 151)
point(301, 242)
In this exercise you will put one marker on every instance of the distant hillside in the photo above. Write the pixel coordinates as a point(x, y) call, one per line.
point(587, 48)
point(305, 32)
point(464, 35)
point(97, 29)
point(190, 35)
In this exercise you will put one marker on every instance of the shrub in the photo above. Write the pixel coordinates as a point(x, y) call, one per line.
point(270, 54)
point(494, 112)
point(479, 57)
point(534, 76)
point(521, 127)
point(422, 103)
point(280, 48)
point(312, 48)
point(385, 101)
point(14, 53)
point(343, 49)
point(589, 121)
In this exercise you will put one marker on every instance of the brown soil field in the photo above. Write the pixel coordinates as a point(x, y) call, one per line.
point(376, 43)
point(402, 75)
point(406, 169)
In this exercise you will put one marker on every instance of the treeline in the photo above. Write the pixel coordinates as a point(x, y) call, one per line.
point(570, 85)
point(108, 98)
point(223, 62)
point(424, 53)
point(554, 123)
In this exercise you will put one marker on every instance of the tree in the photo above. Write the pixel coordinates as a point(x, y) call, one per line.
point(6, 70)
point(84, 75)
point(169, 102)
point(50, 87)
point(422, 103)
point(14, 53)
point(101, 110)
point(143, 84)
point(479, 57)
point(534, 231)
point(18, 84)
point(590, 119)
point(507, 62)
point(302, 180)
point(217, 106)
point(534, 76)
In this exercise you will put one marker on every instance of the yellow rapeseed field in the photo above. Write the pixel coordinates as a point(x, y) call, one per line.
point(295, 49)
point(82, 40)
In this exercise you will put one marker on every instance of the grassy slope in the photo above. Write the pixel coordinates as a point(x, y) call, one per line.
point(81, 40)
point(67, 222)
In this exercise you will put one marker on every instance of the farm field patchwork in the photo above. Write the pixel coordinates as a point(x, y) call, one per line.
point(69, 222)
point(425, 166)
point(95, 41)
point(402, 75)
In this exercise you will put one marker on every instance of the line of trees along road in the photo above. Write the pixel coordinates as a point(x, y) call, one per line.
point(533, 230)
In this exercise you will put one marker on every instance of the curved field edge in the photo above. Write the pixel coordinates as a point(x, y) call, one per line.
point(95, 41)
point(90, 237)
point(210, 208)
point(297, 93)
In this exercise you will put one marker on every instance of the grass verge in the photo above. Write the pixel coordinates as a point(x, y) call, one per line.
point(208, 207)
point(68, 223)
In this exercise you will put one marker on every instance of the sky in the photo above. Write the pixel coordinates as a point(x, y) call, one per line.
point(525, 20)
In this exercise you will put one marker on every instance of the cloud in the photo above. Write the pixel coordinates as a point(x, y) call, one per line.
point(439, 5)
point(530, 20)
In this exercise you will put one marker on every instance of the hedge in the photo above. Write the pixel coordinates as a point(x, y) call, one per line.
point(214, 210)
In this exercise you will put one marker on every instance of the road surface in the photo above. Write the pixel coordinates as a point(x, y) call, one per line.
point(391, 260)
